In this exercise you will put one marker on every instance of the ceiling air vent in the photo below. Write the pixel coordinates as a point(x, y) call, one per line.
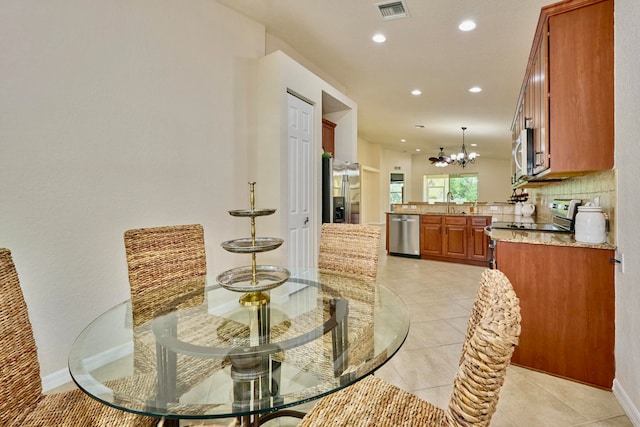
point(392, 10)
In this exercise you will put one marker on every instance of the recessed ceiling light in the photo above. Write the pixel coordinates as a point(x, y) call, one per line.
point(379, 38)
point(467, 25)
point(475, 89)
point(417, 149)
point(474, 145)
point(416, 92)
point(403, 140)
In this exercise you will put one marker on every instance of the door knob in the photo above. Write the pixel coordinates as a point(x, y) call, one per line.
point(306, 221)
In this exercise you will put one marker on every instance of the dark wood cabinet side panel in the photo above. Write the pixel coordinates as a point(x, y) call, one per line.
point(567, 305)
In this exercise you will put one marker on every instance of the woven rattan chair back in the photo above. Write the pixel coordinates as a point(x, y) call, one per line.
point(21, 386)
point(350, 248)
point(21, 400)
point(487, 352)
point(493, 331)
point(165, 264)
point(477, 311)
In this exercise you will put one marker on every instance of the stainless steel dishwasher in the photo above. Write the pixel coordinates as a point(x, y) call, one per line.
point(404, 235)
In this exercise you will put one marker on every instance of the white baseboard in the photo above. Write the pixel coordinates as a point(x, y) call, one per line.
point(57, 379)
point(627, 405)
point(63, 376)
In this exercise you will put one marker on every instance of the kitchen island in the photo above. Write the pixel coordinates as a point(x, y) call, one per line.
point(453, 232)
point(456, 238)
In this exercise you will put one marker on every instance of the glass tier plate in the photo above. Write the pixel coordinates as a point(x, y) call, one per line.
point(251, 212)
point(246, 245)
point(239, 279)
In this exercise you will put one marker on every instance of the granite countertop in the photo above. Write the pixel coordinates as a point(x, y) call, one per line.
point(544, 238)
point(438, 213)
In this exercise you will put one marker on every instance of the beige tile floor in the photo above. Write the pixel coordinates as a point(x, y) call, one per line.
point(439, 297)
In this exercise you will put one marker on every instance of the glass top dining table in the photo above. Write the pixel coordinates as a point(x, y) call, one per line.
point(206, 355)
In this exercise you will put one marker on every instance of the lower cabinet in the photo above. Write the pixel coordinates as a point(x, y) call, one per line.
point(454, 238)
point(478, 240)
point(431, 235)
point(567, 305)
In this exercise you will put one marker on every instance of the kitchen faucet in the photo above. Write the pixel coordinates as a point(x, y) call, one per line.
point(449, 195)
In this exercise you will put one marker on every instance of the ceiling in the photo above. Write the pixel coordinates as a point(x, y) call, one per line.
point(425, 51)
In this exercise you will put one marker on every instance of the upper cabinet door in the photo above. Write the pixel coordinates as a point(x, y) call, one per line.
point(581, 88)
point(567, 93)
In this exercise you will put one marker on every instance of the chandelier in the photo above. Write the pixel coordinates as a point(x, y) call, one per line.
point(463, 158)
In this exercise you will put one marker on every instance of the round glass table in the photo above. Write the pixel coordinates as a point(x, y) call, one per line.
point(205, 355)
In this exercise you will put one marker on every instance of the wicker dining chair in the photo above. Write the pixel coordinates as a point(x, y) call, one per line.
point(491, 339)
point(164, 263)
point(350, 248)
point(167, 266)
point(22, 402)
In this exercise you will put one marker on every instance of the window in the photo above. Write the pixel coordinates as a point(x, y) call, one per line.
point(435, 188)
point(396, 189)
point(463, 187)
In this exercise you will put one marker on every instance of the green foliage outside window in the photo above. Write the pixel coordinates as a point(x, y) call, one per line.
point(463, 187)
point(395, 194)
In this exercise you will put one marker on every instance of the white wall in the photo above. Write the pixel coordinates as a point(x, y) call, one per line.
point(392, 161)
point(116, 115)
point(494, 182)
point(627, 93)
point(372, 184)
point(277, 73)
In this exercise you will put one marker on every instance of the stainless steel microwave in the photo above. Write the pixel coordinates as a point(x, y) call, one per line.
point(523, 155)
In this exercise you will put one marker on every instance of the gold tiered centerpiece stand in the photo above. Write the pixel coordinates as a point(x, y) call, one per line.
point(255, 279)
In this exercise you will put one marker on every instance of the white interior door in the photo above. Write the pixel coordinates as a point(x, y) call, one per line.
point(300, 137)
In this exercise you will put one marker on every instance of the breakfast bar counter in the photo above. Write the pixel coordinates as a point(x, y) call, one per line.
point(542, 238)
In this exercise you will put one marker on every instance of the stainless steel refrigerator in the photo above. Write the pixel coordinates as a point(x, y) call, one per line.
point(341, 191)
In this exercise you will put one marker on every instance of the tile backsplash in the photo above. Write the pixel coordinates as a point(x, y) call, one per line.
point(586, 188)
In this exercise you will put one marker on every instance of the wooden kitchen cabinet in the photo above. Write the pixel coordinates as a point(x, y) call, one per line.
point(478, 240)
point(454, 238)
point(454, 241)
point(431, 235)
point(567, 95)
point(328, 136)
point(567, 305)
point(538, 108)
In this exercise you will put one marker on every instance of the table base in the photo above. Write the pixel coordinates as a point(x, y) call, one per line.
point(247, 420)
